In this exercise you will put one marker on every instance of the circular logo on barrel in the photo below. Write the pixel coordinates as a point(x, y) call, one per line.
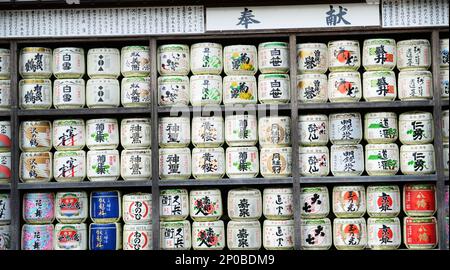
point(70, 205)
point(351, 201)
point(345, 56)
point(315, 236)
point(313, 204)
point(352, 235)
point(138, 210)
point(385, 235)
point(68, 237)
point(137, 240)
point(384, 202)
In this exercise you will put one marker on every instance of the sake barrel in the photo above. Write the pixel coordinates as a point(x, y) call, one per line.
point(5, 167)
point(35, 62)
point(103, 165)
point(316, 234)
point(5, 209)
point(344, 87)
point(69, 93)
point(417, 159)
point(242, 162)
point(175, 235)
point(102, 93)
point(344, 55)
point(278, 203)
point(241, 130)
point(173, 59)
point(206, 58)
point(273, 57)
point(416, 127)
point(274, 131)
point(105, 206)
point(382, 159)
point(5, 135)
point(37, 237)
point(379, 54)
point(135, 133)
point(35, 167)
point(102, 134)
point(445, 158)
point(135, 61)
point(315, 202)
point(244, 235)
point(69, 166)
point(35, 136)
point(137, 208)
point(5, 237)
point(240, 89)
point(276, 162)
point(240, 60)
point(174, 132)
point(5, 94)
point(443, 51)
point(207, 131)
point(208, 235)
point(274, 88)
point(173, 90)
point(349, 233)
point(379, 86)
point(313, 129)
point(312, 57)
point(174, 204)
point(206, 90)
point(384, 233)
point(35, 94)
point(175, 163)
point(70, 237)
point(349, 201)
point(278, 234)
point(419, 200)
point(103, 63)
point(69, 134)
point(420, 232)
point(208, 163)
point(381, 127)
point(205, 204)
point(445, 125)
point(383, 201)
point(415, 85)
point(137, 237)
point(444, 79)
point(68, 62)
point(347, 160)
point(71, 207)
point(244, 204)
point(413, 54)
point(105, 236)
point(136, 165)
point(135, 92)
point(314, 161)
point(5, 56)
point(38, 208)
point(312, 88)
point(345, 128)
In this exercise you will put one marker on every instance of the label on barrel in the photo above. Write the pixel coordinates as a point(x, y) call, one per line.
point(105, 205)
point(420, 231)
point(419, 198)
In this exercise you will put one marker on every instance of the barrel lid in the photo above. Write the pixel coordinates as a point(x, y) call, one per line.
point(413, 42)
point(313, 117)
point(414, 114)
point(388, 146)
point(380, 115)
point(313, 150)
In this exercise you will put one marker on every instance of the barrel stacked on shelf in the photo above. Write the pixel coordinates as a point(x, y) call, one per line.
point(5, 221)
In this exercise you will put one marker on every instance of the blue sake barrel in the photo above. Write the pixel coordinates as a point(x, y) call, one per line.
point(105, 236)
point(105, 206)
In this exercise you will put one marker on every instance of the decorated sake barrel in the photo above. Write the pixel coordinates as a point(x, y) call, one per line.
point(69, 93)
point(344, 55)
point(137, 208)
point(413, 54)
point(69, 166)
point(344, 86)
point(173, 204)
point(5, 94)
point(102, 93)
point(5, 135)
point(5, 237)
point(379, 86)
point(103, 165)
point(70, 237)
point(382, 159)
point(69, 134)
point(103, 63)
point(135, 133)
point(242, 162)
point(240, 89)
point(349, 233)
point(240, 60)
point(135, 61)
point(5, 56)
point(345, 128)
point(207, 131)
point(313, 129)
point(347, 160)
point(35, 62)
point(316, 234)
point(205, 204)
point(135, 92)
point(241, 130)
point(274, 88)
point(445, 158)
point(315, 202)
point(379, 54)
point(206, 90)
point(415, 85)
point(443, 51)
point(38, 208)
point(174, 131)
point(175, 235)
point(278, 203)
point(274, 131)
point(37, 237)
point(136, 165)
point(312, 88)
point(384, 233)
point(314, 161)
point(105, 236)
point(383, 201)
point(278, 234)
point(173, 90)
point(173, 59)
point(273, 57)
point(446, 199)
point(312, 58)
point(444, 79)
point(206, 58)
point(5, 209)
point(349, 201)
point(102, 133)
point(5, 167)
point(71, 206)
point(275, 162)
point(208, 163)
point(244, 204)
point(105, 206)
point(419, 200)
point(35, 94)
point(420, 232)
point(416, 127)
point(208, 235)
point(68, 62)
point(137, 237)
point(380, 127)
point(244, 235)
point(35, 167)
point(445, 125)
point(175, 163)
point(417, 159)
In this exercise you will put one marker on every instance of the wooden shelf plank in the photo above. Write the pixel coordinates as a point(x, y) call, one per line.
point(225, 182)
point(84, 111)
point(368, 179)
point(83, 185)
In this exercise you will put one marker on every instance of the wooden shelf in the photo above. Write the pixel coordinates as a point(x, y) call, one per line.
point(84, 185)
point(368, 179)
point(365, 105)
point(226, 182)
point(225, 108)
point(4, 113)
point(84, 111)
point(5, 186)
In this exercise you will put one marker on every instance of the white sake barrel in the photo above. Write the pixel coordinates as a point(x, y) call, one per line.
point(344, 55)
point(240, 89)
point(208, 163)
point(69, 134)
point(345, 128)
point(350, 233)
point(278, 203)
point(314, 161)
point(241, 130)
point(38, 208)
point(135, 61)
point(417, 159)
point(242, 162)
point(244, 204)
point(413, 54)
point(102, 93)
point(347, 160)
point(207, 131)
point(206, 90)
point(416, 127)
point(313, 129)
point(103, 63)
point(379, 54)
point(274, 88)
point(176, 235)
point(136, 92)
point(445, 125)
point(174, 132)
point(5, 58)
point(420, 232)
point(273, 57)
point(173, 204)
point(274, 131)
point(35, 94)
point(379, 86)
point(103, 165)
point(173, 59)
point(415, 85)
point(37, 237)
point(69, 93)
point(71, 207)
point(173, 90)
point(349, 201)
point(240, 60)
point(383, 201)
point(5, 94)
point(380, 127)
point(344, 86)
point(384, 233)
point(135, 133)
point(68, 62)
point(276, 162)
point(70, 237)
point(443, 51)
point(382, 159)
point(5, 209)
point(35, 136)
point(312, 58)
point(243, 235)
point(136, 165)
point(208, 235)
point(69, 166)
point(137, 208)
point(317, 234)
point(445, 158)
point(102, 134)
point(312, 88)
point(278, 234)
point(5, 236)
point(137, 237)
point(206, 58)
point(105, 236)
point(35, 62)
point(35, 167)
point(444, 79)
point(315, 202)
point(205, 204)
point(5, 136)
point(5, 167)
point(175, 163)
